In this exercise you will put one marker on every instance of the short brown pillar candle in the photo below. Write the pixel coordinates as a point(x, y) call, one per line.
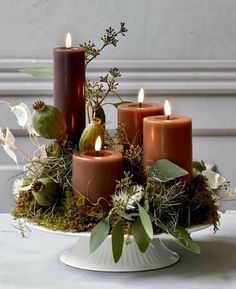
point(94, 174)
point(132, 114)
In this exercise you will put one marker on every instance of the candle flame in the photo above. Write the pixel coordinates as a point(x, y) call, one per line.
point(167, 108)
point(68, 40)
point(98, 144)
point(141, 96)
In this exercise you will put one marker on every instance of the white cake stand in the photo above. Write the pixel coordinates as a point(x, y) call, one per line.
point(157, 255)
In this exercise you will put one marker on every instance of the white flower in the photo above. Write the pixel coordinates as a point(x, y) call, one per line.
point(215, 180)
point(128, 201)
point(18, 186)
point(138, 194)
point(9, 143)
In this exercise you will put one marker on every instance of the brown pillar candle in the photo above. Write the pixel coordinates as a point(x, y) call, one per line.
point(132, 114)
point(168, 137)
point(94, 174)
point(69, 87)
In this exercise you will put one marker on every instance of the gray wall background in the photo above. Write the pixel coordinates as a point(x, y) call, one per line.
point(183, 50)
point(158, 29)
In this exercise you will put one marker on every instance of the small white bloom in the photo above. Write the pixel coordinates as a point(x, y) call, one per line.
point(138, 194)
point(215, 180)
point(129, 202)
point(120, 197)
point(18, 186)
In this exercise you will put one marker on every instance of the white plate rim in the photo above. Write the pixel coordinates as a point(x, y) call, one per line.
point(35, 226)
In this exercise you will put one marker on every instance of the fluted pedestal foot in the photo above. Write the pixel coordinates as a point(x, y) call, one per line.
point(157, 256)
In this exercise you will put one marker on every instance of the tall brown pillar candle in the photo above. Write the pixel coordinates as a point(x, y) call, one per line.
point(132, 114)
point(94, 174)
point(168, 137)
point(69, 88)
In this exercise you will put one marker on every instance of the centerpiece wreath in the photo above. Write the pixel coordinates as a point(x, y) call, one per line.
point(141, 206)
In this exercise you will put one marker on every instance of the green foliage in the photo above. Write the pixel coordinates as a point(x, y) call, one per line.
point(126, 182)
point(133, 162)
point(97, 91)
point(119, 103)
point(165, 171)
point(117, 240)
point(110, 38)
point(146, 221)
point(99, 234)
point(140, 236)
point(181, 235)
point(38, 72)
point(199, 166)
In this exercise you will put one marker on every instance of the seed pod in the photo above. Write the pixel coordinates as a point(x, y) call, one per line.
point(90, 134)
point(45, 192)
point(48, 121)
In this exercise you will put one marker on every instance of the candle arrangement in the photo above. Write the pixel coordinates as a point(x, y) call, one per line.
point(140, 187)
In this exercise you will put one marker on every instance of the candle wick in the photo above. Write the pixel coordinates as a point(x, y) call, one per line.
point(140, 104)
point(97, 153)
point(168, 117)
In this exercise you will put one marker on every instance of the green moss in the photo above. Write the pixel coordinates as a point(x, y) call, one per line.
point(70, 214)
point(169, 201)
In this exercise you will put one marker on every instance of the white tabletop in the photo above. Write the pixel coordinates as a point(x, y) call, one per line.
point(33, 262)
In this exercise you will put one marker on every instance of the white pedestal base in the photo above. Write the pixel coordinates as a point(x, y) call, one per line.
point(157, 256)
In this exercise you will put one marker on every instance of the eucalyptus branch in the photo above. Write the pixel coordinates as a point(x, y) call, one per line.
point(110, 80)
point(110, 38)
point(97, 92)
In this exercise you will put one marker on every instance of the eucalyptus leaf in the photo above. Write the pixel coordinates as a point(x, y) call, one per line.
point(181, 235)
point(164, 171)
point(140, 236)
point(117, 241)
point(121, 102)
point(99, 234)
point(146, 221)
point(39, 72)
